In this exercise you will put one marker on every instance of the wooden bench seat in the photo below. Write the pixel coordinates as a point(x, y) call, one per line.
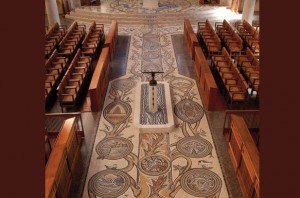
point(73, 38)
point(55, 68)
point(70, 87)
point(244, 156)
point(231, 83)
point(229, 37)
point(208, 38)
point(60, 167)
point(93, 41)
point(52, 38)
point(250, 67)
point(250, 35)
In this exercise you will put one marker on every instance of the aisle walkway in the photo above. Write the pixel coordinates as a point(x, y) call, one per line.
point(180, 163)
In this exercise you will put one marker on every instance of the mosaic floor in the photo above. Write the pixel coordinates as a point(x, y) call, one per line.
point(180, 163)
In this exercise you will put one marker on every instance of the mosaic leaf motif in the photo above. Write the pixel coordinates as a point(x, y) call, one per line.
point(114, 148)
point(117, 112)
point(189, 111)
point(201, 182)
point(109, 183)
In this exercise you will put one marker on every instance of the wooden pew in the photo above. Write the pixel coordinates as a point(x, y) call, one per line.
point(62, 161)
point(99, 80)
point(72, 40)
point(52, 37)
point(231, 82)
point(111, 38)
point(249, 66)
point(93, 40)
point(231, 40)
point(244, 156)
point(48, 148)
point(190, 37)
point(250, 35)
point(70, 87)
point(208, 38)
point(211, 95)
point(55, 68)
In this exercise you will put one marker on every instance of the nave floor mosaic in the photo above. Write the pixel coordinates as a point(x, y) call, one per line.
point(180, 163)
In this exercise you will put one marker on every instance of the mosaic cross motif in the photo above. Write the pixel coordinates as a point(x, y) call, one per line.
point(179, 163)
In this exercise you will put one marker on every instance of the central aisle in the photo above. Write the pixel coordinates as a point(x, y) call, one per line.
point(182, 163)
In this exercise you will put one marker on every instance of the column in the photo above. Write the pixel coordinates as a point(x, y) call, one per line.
point(52, 12)
point(77, 3)
point(248, 10)
point(72, 6)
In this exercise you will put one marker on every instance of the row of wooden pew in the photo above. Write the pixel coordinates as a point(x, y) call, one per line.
point(208, 86)
point(208, 39)
point(55, 68)
point(75, 43)
point(249, 67)
point(53, 37)
point(235, 38)
point(250, 35)
point(61, 162)
point(244, 154)
point(100, 78)
point(72, 85)
point(230, 80)
point(230, 38)
point(72, 40)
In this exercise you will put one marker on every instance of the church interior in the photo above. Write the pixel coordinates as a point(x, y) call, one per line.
point(152, 98)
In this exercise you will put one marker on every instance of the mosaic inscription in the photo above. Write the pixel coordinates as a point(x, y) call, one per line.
point(154, 165)
point(194, 147)
point(159, 117)
point(189, 111)
point(109, 183)
point(201, 182)
point(114, 148)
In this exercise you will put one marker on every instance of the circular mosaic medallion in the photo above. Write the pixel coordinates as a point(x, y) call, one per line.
point(201, 182)
point(117, 112)
point(194, 147)
point(189, 111)
point(109, 183)
point(123, 84)
point(181, 83)
point(154, 165)
point(114, 148)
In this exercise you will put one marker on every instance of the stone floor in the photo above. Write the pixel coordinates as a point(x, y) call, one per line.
point(119, 67)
